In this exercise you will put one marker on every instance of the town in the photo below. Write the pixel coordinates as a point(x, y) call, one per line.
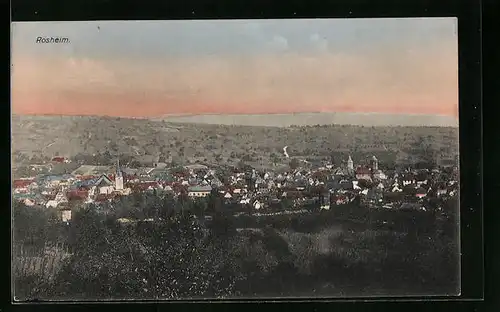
point(299, 188)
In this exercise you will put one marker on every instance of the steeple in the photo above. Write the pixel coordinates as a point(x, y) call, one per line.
point(118, 170)
point(374, 163)
point(118, 177)
point(350, 163)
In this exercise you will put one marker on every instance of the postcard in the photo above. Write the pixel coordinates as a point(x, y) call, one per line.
point(235, 159)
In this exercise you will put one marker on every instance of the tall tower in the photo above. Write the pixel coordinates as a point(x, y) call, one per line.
point(374, 163)
point(118, 177)
point(350, 163)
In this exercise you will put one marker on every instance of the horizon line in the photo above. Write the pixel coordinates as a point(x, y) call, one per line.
point(226, 114)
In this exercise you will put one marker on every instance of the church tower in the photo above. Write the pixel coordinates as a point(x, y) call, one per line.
point(118, 177)
point(350, 163)
point(374, 163)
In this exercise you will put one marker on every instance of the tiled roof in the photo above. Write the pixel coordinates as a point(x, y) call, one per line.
point(363, 170)
point(200, 188)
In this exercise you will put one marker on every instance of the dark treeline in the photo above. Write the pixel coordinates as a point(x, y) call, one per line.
point(179, 255)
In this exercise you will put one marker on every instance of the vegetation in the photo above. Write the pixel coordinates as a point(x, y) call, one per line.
point(114, 252)
point(97, 141)
point(182, 256)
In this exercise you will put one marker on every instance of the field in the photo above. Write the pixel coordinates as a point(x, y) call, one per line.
point(97, 140)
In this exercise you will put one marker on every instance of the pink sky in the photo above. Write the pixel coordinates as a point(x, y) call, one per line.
point(416, 80)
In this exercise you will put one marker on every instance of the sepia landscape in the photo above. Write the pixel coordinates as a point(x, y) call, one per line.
point(166, 203)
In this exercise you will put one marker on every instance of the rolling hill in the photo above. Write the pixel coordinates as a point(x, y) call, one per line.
point(310, 119)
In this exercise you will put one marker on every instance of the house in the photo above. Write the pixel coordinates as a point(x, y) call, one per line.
point(22, 184)
point(408, 180)
point(395, 188)
point(59, 159)
point(257, 204)
point(104, 185)
point(268, 175)
point(145, 186)
point(259, 181)
point(441, 191)
point(60, 198)
point(363, 173)
point(216, 183)
point(168, 188)
point(66, 215)
point(341, 171)
point(199, 191)
point(244, 201)
point(29, 202)
point(51, 204)
point(53, 181)
point(420, 193)
point(379, 175)
point(325, 201)
point(355, 185)
point(77, 194)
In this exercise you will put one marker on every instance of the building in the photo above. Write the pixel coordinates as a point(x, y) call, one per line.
point(118, 177)
point(59, 159)
point(363, 173)
point(66, 215)
point(199, 191)
point(325, 201)
point(104, 185)
point(374, 163)
point(257, 205)
point(59, 199)
point(379, 175)
point(421, 193)
point(350, 163)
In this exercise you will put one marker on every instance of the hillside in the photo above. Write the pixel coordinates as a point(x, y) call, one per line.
point(39, 137)
point(310, 119)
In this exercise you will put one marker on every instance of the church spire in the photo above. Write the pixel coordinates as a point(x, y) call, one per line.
point(118, 170)
point(350, 163)
point(118, 177)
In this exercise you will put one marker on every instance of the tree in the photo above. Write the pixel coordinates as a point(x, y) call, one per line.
point(294, 164)
point(32, 225)
point(167, 209)
point(274, 158)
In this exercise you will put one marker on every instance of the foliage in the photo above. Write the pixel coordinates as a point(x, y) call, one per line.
point(34, 225)
point(294, 164)
point(183, 256)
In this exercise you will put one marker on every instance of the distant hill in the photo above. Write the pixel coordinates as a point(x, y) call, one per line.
point(191, 139)
point(310, 119)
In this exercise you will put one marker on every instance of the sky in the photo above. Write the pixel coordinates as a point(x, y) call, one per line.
point(155, 68)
